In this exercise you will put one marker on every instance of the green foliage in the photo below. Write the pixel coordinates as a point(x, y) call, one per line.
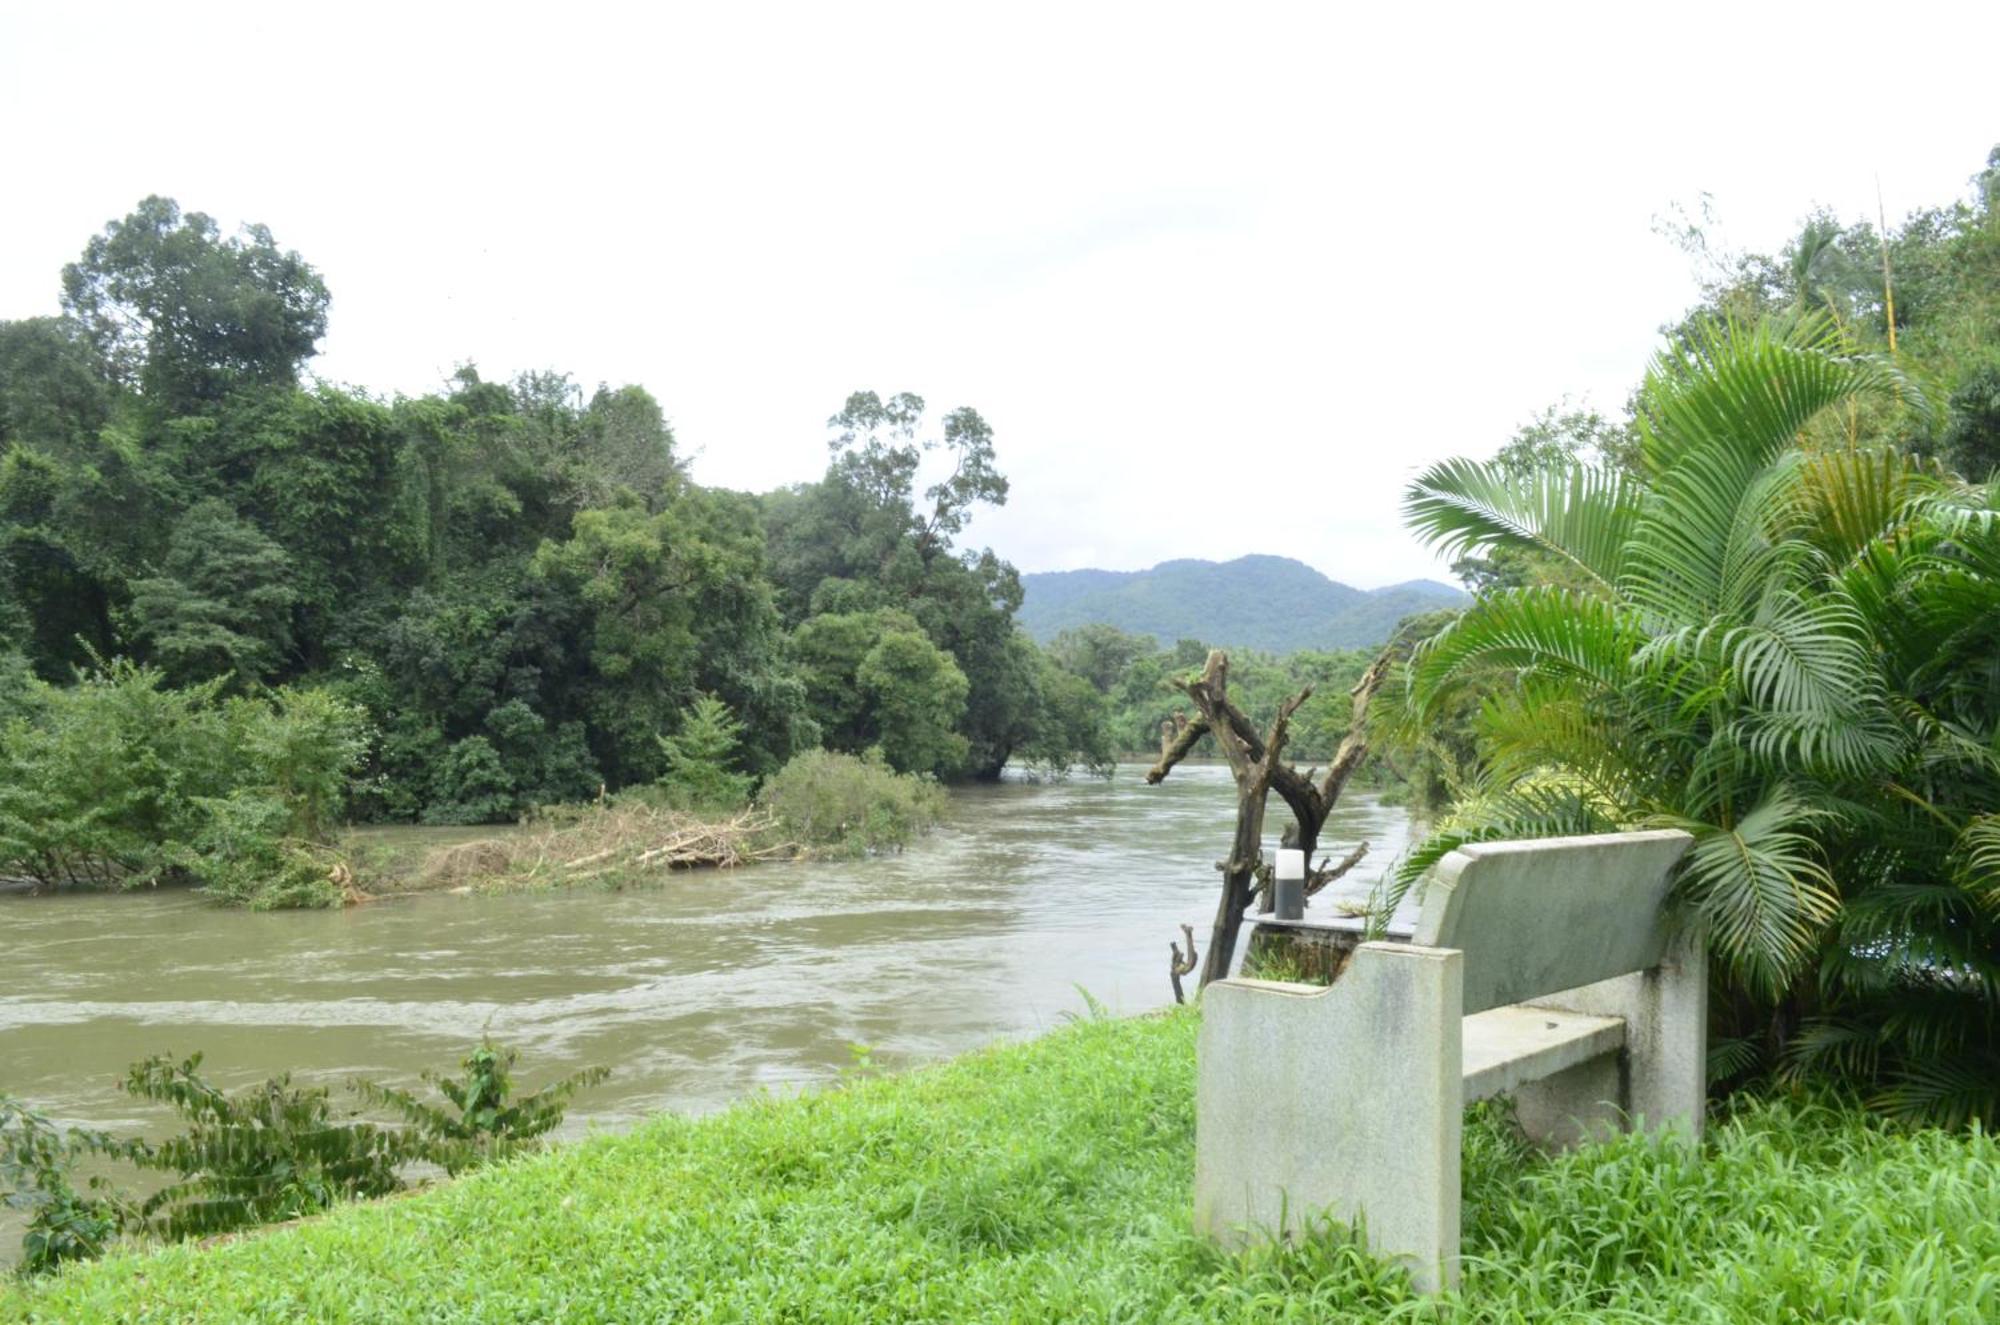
point(1132, 680)
point(515, 580)
point(835, 803)
point(1048, 1181)
point(273, 1152)
point(877, 681)
point(120, 781)
point(486, 1121)
point(1071, 727)
point(221, 605)
point(51, 397)
point(187, 315)
point(37, 1180)
point(699, 756)
point(858, 544)
point(1786, 651)
point(916, 694)
point(269, 1153)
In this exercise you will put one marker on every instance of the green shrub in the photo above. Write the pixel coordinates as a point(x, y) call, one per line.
point(699, 775)
point(486, 1121)
point(244, 853)
point(36, 1166)
point(839, 803)
point(269, 1153)
point(120, 781)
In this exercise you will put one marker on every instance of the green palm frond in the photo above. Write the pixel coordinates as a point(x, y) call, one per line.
point(1807, 672)
point(1850, 1049)
point(1719, 425)
point(1762, 887)
point(1545, 722)
point(1525, 811)
point(1708, 529)
point(1855, 499)
point(1581, 514)
point(1541, 629)
point(1793, 652)
point(1975, 860)
point(1748, 390)
point(1732, 1057)
point(1944, 1092)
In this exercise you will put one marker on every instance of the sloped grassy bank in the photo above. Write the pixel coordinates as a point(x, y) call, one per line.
point(1050, 1181)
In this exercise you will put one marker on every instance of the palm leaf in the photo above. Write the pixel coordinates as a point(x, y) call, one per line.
point(1748, 391)
point(1976, 860)
point(1542, 629)
point(1762, 887)
point(1582, 515)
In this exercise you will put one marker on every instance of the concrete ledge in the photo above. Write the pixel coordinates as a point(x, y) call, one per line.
point(1505, 1048)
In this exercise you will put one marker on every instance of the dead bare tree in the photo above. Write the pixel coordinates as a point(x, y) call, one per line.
point(1256, 761)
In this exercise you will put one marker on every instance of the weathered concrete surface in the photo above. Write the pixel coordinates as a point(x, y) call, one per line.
point(1344, 1101)
point(1665, 1011)
point(1537, 917)
point(1505, 1048)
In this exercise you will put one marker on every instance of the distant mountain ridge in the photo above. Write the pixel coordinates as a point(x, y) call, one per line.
point(1257, 602)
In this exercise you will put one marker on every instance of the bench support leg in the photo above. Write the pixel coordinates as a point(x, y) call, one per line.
point(1347, 1108)
point(1661, 1079)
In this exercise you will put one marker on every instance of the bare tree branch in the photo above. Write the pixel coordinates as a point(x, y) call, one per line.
point(1354, 745)
point(1182, 965)
point(1172, 752)
point(1323, 876)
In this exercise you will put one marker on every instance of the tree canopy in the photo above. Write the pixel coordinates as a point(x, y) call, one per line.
point(515, 581)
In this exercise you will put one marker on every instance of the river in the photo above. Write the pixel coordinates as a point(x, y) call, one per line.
point(698, 990)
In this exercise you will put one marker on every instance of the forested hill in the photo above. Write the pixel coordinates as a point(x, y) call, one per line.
point(1259, 602)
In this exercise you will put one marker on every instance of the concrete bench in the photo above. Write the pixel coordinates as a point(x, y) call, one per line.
point(1544, 970)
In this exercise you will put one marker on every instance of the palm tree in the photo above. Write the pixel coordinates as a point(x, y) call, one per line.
point(1788, 652)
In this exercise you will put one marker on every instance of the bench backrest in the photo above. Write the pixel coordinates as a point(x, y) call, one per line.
point(1537, 917)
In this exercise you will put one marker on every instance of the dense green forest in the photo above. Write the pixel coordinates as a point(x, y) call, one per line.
point(1275, 604)
point(513, 587)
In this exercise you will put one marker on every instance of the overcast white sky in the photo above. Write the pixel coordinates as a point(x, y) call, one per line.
point(1222, 277)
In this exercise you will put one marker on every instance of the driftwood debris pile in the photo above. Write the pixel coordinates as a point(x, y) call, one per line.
point(608, 840)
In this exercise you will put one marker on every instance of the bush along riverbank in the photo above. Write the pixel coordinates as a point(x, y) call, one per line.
point(271, 1153)
point(1050, 1181)
point(120, 782)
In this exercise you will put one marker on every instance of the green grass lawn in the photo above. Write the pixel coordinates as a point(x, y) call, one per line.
point(1051, 1181)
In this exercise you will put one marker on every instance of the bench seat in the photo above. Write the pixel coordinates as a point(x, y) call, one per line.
point(1506, 1048)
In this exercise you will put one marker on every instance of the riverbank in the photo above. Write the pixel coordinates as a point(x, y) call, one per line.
point(1050, 1181)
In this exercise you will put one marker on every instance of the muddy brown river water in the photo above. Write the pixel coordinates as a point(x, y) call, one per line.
point(698, 990)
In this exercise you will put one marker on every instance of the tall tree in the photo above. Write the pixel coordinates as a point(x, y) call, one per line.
point(185, 315)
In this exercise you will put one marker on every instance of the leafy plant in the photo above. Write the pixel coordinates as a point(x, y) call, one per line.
point(118, 781)
point(37, 1163)
point(486, 1121)
point(699, 775)
point(841, 803)
point(273, 1152)
point(1786, 651)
